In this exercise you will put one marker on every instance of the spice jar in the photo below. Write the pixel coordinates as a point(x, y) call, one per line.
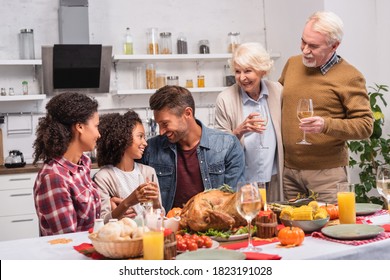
point(204, 46)
point(173, 80)
point(229, 78)
point(233, 41)
point(189, 83)
point(151, 76)
point(26, 40)
point(182, 44)
point(11, 91)
point(165, 43)
point(152, 36)
point(25, 87)
point(200, 81)
point(3, 92)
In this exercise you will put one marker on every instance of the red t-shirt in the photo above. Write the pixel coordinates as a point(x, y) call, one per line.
point(189, 179)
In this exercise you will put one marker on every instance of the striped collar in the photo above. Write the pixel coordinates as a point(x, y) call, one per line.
point(332, 61)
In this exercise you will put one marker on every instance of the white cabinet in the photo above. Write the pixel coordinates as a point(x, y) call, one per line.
point(173, 64)
point(18, 217)
point(32, 76)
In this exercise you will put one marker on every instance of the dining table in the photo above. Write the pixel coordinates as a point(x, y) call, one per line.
point(62, 247)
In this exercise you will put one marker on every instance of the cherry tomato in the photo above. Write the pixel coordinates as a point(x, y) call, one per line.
point(200, 242)
point(208, 243)
point(192, 246)
point(181, 245)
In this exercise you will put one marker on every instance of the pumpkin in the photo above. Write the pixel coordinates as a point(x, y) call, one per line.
point(174, 212)
point(291, 236)
point(332, 210)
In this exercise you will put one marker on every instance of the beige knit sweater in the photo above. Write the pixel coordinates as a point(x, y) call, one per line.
point(340, 97)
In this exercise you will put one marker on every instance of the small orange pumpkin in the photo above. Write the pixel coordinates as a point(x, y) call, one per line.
point(292, 236)
point(332, 210)
point(174, 212)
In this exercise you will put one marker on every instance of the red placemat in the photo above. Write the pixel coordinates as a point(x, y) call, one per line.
point(255, 242)
point(88, 250)
point(381, 236)
point(367, 218)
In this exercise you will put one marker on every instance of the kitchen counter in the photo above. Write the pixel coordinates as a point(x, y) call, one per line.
point(29, 168)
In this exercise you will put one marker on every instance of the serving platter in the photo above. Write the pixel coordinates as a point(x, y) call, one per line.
point(352, 231)
point(217, 254)
point(232, 237)
point(367, 208)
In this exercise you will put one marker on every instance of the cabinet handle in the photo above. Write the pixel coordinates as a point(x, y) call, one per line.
point(22, 221)
point(21, 194)
point(19, 179)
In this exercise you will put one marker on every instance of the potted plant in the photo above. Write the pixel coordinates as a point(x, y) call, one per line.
point(371, 152)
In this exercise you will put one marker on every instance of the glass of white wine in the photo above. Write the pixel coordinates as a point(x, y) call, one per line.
point(248, 204)
point(262, 109)
point(304, 110)
point(383, 182)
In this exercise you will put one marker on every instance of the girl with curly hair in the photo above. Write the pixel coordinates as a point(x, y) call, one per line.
point(66, 199)
point(124, 183)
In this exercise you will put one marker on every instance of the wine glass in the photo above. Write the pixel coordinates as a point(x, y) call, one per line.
point(383, 182)
point(262, 109)
point(304, 110)
point(248, 204)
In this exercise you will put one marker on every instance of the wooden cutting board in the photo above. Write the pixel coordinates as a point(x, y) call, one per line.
point(1, 148)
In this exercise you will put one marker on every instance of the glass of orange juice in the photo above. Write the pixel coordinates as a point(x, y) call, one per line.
point(153, 238)
point(346, 203)
point(263, 193)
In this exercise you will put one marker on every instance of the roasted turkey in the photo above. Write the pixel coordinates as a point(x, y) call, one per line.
point(211, 209)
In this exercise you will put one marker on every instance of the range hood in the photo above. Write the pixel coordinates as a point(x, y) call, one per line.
point(73, 22)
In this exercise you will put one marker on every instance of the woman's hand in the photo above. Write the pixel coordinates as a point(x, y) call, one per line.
point(252, 123)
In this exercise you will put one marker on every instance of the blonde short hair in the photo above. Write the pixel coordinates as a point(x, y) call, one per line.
point(328, 24)
point(252, 55)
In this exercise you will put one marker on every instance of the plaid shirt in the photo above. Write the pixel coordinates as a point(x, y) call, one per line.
point(332, 61)
point(66, 199)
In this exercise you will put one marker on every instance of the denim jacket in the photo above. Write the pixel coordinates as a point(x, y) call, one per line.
point(220, 155)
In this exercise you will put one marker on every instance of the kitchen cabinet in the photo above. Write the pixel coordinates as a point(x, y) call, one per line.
point(173, 63)
point(18, 217)
point(35, 64)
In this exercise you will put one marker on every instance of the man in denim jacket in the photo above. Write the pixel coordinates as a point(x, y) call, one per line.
point(189, 157)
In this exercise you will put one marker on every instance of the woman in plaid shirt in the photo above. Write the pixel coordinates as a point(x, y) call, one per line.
point(66, 199)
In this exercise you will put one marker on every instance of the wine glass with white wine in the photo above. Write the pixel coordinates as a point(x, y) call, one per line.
point(304, 110)
point(383, 182)
point(262, 109)
point(248, 204)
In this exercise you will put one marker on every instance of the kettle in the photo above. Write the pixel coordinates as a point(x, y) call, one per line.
point(14, 159)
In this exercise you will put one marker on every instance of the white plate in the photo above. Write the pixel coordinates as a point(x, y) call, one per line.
point(218, 254)
point(215, 245)
point(231, 237)
point(352, 231)
point(367, 208)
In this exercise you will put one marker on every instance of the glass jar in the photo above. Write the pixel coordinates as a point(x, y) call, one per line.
point(152, 41)
point(182, 44)
point(161, 80)
point(173, 80)
point(165, 43)
point(201, 81)
point(233, 41)
point(204, 46)
point(25, 88)
point(229, 78)
point(189, 83)
point(128, 42)
point(3, 92)
point(26, 41)
point(11, 91)
point(151, 77)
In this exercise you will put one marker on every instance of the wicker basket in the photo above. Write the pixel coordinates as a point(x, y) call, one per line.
point(117, 249)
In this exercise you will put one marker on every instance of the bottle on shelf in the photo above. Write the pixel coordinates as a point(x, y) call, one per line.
point(204, 46)
point(182, 44)
point(151, 78)
point(128, 42)
point(229, 78)
point(201, 82)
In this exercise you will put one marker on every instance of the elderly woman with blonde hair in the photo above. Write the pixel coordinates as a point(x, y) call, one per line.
point(251, 110)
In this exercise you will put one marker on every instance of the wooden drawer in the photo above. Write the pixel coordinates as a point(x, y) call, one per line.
point(17, 181)
point(18, 227)
point(17, 202)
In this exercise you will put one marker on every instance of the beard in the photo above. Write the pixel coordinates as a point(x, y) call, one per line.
point(308, 63)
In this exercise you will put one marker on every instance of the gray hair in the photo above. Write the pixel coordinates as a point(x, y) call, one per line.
point(252, 55)
point(328, 24)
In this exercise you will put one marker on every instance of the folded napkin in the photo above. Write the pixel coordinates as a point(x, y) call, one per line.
point(261, 256)
point(381, 236)
point(255, 242)
point(89, 251)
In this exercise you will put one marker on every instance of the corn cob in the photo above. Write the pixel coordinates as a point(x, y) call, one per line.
point(287, 213)
point(304, 213)
point(321, 213)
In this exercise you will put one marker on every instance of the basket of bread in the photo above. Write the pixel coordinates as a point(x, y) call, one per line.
point(119, 239)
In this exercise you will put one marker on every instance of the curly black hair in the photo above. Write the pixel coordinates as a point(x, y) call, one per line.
point(54, 131)
point(116, 135)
